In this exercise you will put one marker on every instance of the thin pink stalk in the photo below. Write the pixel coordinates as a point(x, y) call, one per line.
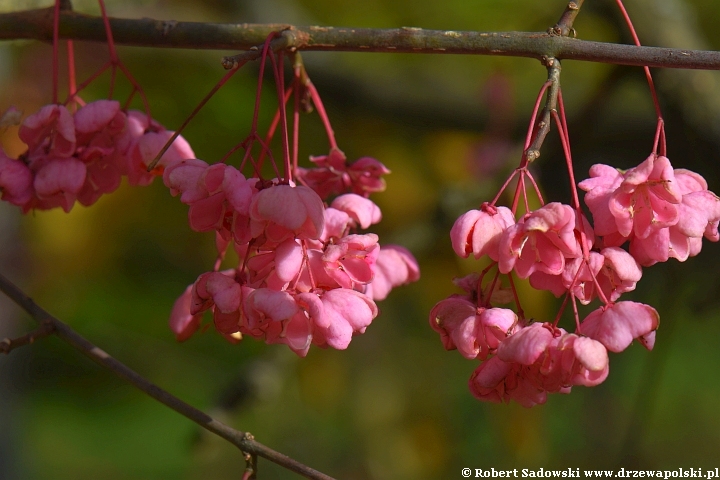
point(533, 117)
point(111, 47)
point(322, 113)
point(263, 58)
point(520, 187)
point(137, 88)
point(202, 103)
point(562, 308)
point(561, 111)
point(651, 84)
point(486, 301)
point(576, 314)
point(601, 294)
point(296, 118)
point(520, 311)
point(279, 72)
point(72, 87)
point(274, 124)
point(266, 148)
point(87, 82)
point(502, 189)
point(659, 138)
point(568, 160)
point(56, 53)
point(535, 187)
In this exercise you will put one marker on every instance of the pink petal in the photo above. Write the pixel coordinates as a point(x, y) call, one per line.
point(360, 209)
point(616, 326)
point(525, 346)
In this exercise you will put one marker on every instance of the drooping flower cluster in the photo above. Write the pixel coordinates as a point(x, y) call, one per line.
point(304, 277)
point(80, 156)
point(661, 212)
point(306, 274)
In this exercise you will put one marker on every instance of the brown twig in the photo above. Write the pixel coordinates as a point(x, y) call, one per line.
point(243, 440)
point(37, 24)
point(46, 328)
point(543, 123)
point(564, 27)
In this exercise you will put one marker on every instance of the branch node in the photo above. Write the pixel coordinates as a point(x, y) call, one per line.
point(286, 41)
point(47, 327)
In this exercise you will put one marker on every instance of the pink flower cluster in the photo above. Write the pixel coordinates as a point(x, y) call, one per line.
point(80, 156)
point(305, 277)
point(660, 211)
point(663, 212)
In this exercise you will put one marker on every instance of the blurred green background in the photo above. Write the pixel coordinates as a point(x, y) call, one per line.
point(395, 405)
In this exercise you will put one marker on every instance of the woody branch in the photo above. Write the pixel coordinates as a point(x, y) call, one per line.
point(37, 24)
point(51, 325)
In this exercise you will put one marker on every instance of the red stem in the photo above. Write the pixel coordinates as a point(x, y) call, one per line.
point(651, 84)
point(520, 311)
point(533, 117)
point(322, 113)
point(502, 189)
point(55, 49)
point(279, 72)
point(72, 87)
point(202, 103)
point(296, 118)
point(568, 160)
point(273, 126)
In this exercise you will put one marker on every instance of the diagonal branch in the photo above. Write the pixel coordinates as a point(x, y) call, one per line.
point(37, 24)
point(243, 440)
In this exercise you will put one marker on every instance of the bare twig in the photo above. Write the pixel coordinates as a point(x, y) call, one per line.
point(543, 123)
point(564, 27)
point(243, 440)
point(37, 24)
point(9, 344)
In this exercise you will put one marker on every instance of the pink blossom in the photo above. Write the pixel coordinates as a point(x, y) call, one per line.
point(16, 180)
point(537, 360)
point(616, 325)
point(98, 126)
point(51, 130)
point(474, 332)
point(143, 140)
point(183, 323)
point(540, 242)
point(351, 261)
point(275, 268)
point(394, 266)
point(615, 270)
point(479, 231)
point(345, 312)
point(184, 177)
point(647, 198)
point(265, 311)
point(620, 273)
point(282, 211)
point(58, 183)
point(601, 185)
point(333, 175)
point(699, 213)
point(337, 224)
point(361, 210)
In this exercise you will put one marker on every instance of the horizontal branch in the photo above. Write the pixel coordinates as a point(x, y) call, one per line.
point(243, 440)
point(37, 24)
